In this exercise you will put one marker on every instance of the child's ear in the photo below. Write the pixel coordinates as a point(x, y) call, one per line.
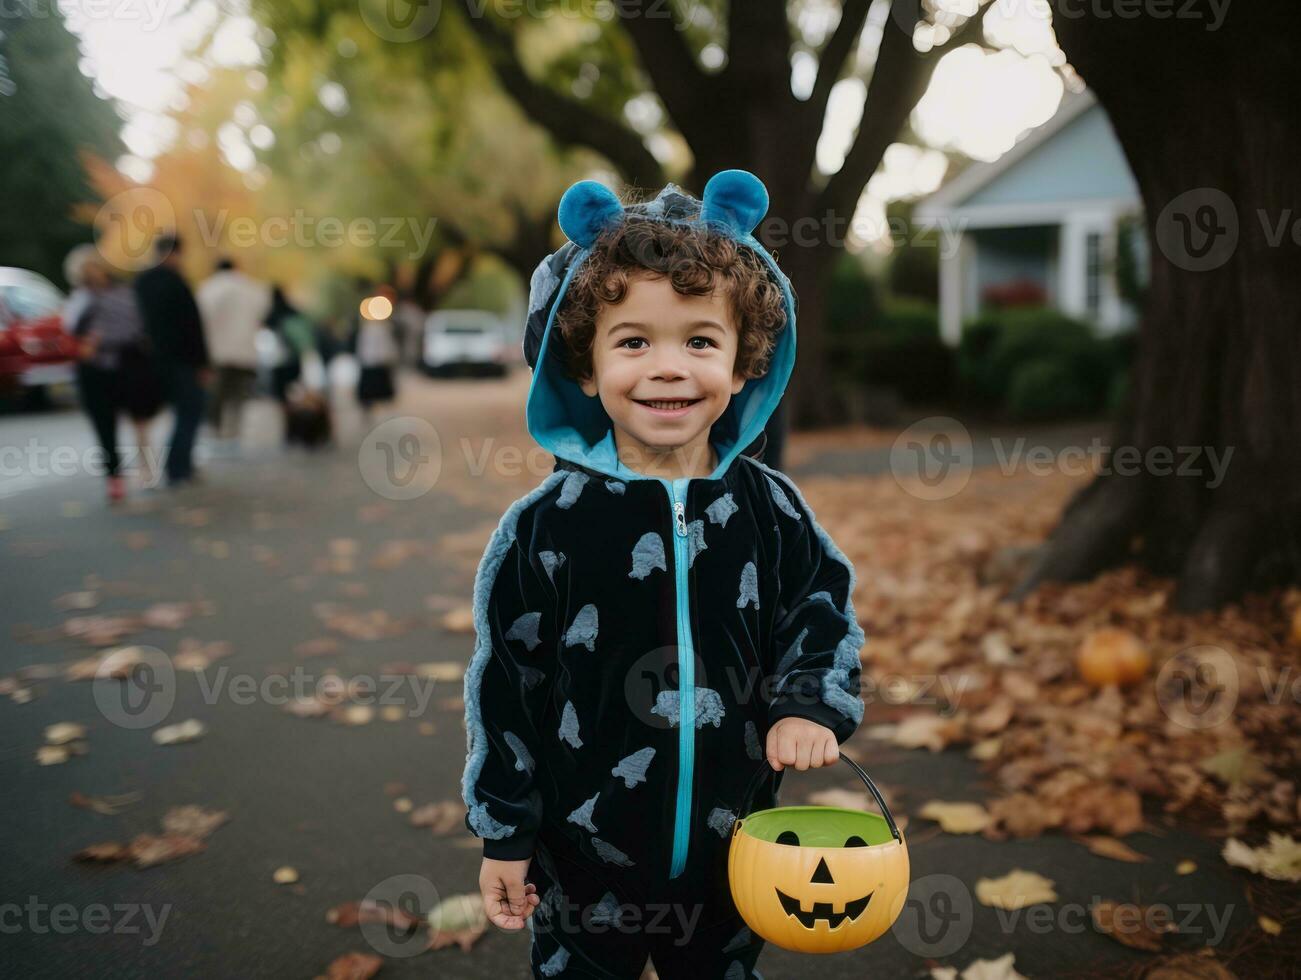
point(738, 382)
point(588, 384)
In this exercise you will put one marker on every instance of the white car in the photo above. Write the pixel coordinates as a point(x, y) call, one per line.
point(468, 341)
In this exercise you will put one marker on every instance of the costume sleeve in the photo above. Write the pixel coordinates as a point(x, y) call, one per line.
point(817, 637)
point(506, 688)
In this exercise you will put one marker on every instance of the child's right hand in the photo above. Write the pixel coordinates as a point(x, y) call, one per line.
point(506, 898)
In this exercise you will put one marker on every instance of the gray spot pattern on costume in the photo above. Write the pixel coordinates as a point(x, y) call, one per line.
point(738, 942)
point(582, 631)
point(541, 284)
point(632, 768)
point(484, 824)
point(569, 492)
point(531, 677)
point(569, 725)
point(611, 854)
point(735, 971)
point(835, 695)
point(583, 815)
point(557, 962)
point(780, 499)
point(709, 707)
point(695, 540)
point(749, 586)
point(525, 629)
point(752, 747)
point(551, 560)
point(648, 555)
point(615, 486)
point(523, 758)
point(607, 912)
point(721, 509)
point(792, 655)
point(720, 821)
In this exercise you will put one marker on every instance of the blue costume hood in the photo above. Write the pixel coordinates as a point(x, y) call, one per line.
point(574, 426)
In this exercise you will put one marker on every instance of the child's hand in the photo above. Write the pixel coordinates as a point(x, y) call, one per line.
point(801, 743)
point(506, 898)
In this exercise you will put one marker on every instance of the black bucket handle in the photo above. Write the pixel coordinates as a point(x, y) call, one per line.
point(867, 780)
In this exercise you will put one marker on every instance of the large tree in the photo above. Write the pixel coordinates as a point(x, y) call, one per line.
point(49, 117)
point(1204, 99)
point(744, 113)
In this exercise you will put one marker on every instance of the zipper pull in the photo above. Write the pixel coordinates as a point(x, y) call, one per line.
point(680, 517)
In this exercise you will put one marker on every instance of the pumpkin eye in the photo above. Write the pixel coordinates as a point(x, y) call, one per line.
point(789, 837)
point(856, 841)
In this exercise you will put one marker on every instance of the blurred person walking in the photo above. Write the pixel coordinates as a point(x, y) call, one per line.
point(376, 349)
point(175, 329)
point(233, 307)
point(115, 369)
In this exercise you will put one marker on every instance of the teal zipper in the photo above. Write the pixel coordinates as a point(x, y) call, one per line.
point(686, 678)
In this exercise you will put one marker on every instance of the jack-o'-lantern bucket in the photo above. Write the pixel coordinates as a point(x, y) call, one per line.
point(818, 879)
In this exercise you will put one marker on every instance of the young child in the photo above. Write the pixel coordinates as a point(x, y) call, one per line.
point(662, 616)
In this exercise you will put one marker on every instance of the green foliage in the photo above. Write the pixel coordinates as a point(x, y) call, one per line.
point(851, 299)
point(1038, 364)
point(49, 114)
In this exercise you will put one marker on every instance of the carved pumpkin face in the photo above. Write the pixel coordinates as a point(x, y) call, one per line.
point(817, 879)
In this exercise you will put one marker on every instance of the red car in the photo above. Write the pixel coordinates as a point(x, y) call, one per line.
point(35, 349)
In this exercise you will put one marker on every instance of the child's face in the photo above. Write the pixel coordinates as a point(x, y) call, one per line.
point(660, 346)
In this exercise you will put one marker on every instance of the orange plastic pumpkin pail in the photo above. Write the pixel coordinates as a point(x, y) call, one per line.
point(818, 879)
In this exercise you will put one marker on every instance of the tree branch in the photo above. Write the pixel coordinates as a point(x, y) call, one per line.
point(688, 93)
point(568, 121)
point(834, 54)
point(899, 80)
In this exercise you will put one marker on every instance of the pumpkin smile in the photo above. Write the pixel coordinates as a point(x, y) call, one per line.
point(823, 910)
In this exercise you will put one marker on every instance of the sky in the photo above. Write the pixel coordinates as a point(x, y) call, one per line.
point(979, 102)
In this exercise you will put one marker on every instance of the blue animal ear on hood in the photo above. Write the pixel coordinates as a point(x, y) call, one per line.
point(587, 209)
point(736, 199)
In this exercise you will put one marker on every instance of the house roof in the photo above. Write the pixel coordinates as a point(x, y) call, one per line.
point(971, 193)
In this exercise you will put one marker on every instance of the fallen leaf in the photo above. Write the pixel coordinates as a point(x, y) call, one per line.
point(106, 852)
point(193, 821)
point(999, 969)
point(353, 966)
point(1185, 867)
point(458, 920)
point(442, 818)
point(147, 850)
point(459, 620)
point(64, 732)
point(1109, 847)
point(350, 914)
point(441, 670)
point(185, 731)
point(109, 806)
point(1271, 926)
point(284, 875)
point(52, 755)
point(956, 818)
point(1136, 926)
point(1015, 890)
point(1280, 859)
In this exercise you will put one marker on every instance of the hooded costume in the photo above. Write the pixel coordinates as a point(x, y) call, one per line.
point(638, 636)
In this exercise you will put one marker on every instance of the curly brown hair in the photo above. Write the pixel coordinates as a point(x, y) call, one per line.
point(695, 260)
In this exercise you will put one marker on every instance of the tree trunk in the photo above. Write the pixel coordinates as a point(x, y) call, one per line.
point(1207, 118)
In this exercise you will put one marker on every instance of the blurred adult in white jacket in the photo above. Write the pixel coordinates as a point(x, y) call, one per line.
point(234, 307)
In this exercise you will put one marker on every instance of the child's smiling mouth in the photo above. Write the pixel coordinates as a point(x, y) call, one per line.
point(669, 408)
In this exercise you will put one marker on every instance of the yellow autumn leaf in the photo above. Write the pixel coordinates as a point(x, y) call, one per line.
point(956, 818)
point(1015, 890)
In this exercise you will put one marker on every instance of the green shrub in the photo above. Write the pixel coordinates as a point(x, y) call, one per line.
point(1046, 389)
point(899, 349)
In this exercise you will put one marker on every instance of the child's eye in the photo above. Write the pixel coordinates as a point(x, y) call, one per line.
point(708, 342)
point(631, 340)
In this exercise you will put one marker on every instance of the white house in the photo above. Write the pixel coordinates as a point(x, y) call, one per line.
point(1042, 218)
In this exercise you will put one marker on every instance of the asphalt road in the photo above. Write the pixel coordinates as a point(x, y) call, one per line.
point(254, 541)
